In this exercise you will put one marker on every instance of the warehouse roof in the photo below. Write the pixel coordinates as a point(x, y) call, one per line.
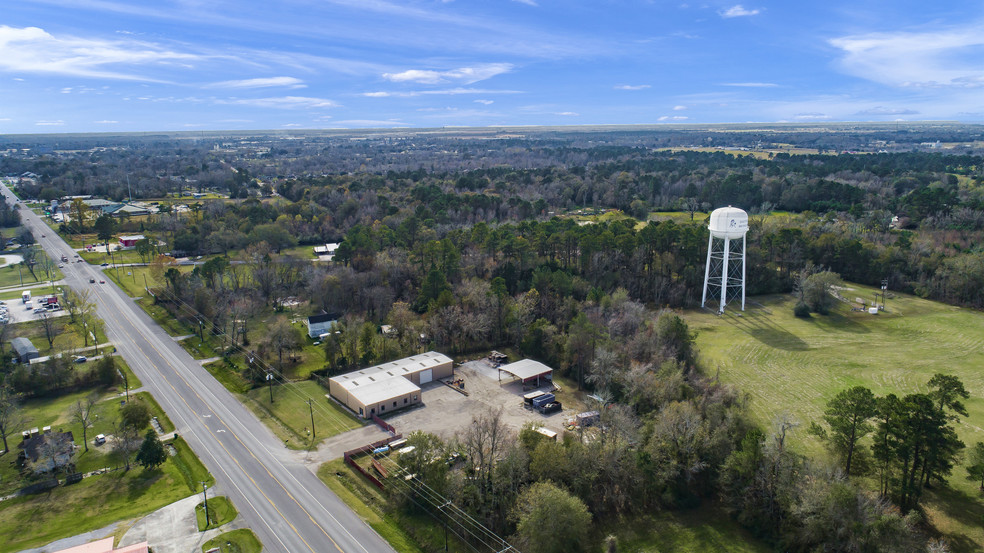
point(382, 390)
point(526, 369)
point(387, 371)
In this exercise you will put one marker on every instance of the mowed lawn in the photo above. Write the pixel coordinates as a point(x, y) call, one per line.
point(794, 366)
point(289, 416)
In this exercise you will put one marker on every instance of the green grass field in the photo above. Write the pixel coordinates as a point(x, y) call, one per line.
point(707, 529)
point(97, 501)
point(368, 502)
point(237, 541)
point(791, 366)
point(290, 417)
point(220, 511)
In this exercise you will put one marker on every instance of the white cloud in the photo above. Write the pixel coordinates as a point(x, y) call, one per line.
point(737, 11)
point(811, 116)
point(485, 102)
point(282, 102)
point(948, 57)
point(105, 122)
point(33, 50)
point(260, 83)
point(751, 85)
point(568, 114)
point(466, 75)
point(527, 2)
point(882, 110)
point(50, 123)
point(370, 123)
point(679, 108)
point(632, 86)
point(443, 92)
point(673, 118)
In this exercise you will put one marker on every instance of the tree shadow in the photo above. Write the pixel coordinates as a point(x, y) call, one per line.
point(757, 324)
point(141, 482)
point(957, 505)
point(839, 323)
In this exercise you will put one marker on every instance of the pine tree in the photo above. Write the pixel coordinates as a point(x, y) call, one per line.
point(151, 454)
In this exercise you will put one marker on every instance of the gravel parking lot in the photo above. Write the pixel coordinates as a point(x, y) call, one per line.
point(446, 412)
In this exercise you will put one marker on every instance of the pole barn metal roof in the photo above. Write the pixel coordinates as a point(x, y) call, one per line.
point(526, 369)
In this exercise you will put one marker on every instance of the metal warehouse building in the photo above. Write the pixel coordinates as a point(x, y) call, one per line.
point(390, 386)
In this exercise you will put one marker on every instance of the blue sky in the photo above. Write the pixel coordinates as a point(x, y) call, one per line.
point(131, 65)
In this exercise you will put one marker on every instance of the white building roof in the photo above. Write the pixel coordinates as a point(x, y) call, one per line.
point(401, 367)
point(382, 390)
point(527, 368)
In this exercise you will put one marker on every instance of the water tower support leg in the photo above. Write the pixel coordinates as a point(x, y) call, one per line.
point(724, 273)
point(743, 272)
point(707, 269)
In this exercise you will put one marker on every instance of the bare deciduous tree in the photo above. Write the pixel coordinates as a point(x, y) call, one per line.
point(82, 414)
point(11, 417)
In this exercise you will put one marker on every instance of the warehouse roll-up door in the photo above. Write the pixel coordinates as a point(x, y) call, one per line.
point(426, 376)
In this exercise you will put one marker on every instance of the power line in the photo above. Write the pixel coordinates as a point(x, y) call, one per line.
point(477, 530)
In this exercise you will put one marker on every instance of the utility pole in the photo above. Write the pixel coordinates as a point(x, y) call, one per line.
point(126, 384)
point(446, 516)
point(269, 379)
point(311, 408)
point(205, 494)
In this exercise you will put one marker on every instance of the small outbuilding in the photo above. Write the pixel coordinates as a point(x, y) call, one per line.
point(130, 241)
point(389, 386)
point(319, 325)
point(527, 370)
point(24, 350)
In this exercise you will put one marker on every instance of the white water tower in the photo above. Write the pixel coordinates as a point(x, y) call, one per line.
point(724, 274)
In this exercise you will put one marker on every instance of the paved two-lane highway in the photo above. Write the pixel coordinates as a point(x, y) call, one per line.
point(278, 497)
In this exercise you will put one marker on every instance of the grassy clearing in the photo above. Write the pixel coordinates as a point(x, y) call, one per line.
point(16, 275)
point(229, 375)
point(290, 417)
point(155, 410)
point(132, 283)
point(707, 529)
point(367, 501)
point(794, 366)
point(95, 502)
point(220, 511)
point(99, 255)
point(237, 541)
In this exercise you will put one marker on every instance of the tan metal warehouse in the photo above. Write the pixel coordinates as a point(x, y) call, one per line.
point(389, 386)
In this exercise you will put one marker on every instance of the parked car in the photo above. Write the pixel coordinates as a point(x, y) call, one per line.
point(104, 265)
point(81, 359)
point(39, 310)
point(100, 439)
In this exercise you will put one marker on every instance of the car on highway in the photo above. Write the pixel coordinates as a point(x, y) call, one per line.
point(92, 280)
point(42, 236)
point(101, 281)
point(61, 265)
